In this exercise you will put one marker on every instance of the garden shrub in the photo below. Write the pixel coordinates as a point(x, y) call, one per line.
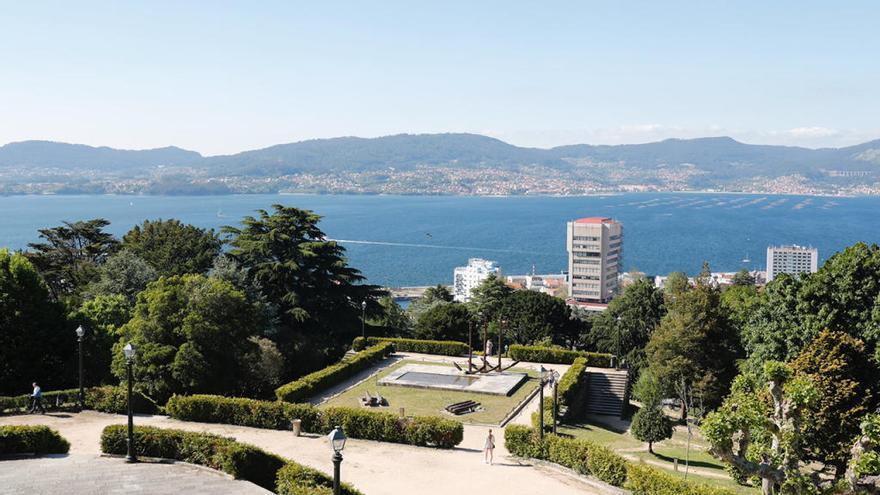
point(645, 480)
point(441, 347)
point(54, 400)
point(110, 399)
point(309, 385)
point(240, 460)
point(357, 423)
point(27, 439)
point(539, 354)
point(273, 415)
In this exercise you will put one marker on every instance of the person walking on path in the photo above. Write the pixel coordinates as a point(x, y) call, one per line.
point(489, 448)
point(37, 396)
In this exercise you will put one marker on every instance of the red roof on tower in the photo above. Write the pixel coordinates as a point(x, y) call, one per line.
point(594, 220)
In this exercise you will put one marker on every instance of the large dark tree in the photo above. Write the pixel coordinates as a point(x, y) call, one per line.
point(444, 322)
point(306, 275)
point(488, 297)
point(69, 257)
point(845, 378)
point(192, 334)
point(695, 347)
point(534, 316)
point(36, 343)
point(172, 247)
point(124, 273)
point(627, 324)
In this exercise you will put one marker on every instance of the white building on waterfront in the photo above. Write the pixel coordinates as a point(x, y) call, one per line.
point(467, 278)
point(793, 260)
point(595, 251)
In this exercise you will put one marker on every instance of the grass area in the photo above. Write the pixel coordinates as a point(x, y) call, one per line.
point(431, 402)
point(704, 468)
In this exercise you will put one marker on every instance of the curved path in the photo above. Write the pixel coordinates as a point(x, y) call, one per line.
point(85, 473)
point(373, 467)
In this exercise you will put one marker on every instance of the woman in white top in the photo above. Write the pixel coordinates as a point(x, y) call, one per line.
point(489, 447)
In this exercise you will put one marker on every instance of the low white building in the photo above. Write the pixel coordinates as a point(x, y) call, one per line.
point(793, 260)
point(466, 278)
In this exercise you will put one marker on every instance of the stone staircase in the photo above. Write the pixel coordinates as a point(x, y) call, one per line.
point(607, 391)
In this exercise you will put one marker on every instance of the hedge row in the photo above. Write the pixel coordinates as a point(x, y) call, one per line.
point(538, 354)
point(28, 439)
point(441, 347)
point(572, 389)
point(357, 423)
point(105, 399)
point(309, 385)
point(590, 458)
point(241, 460)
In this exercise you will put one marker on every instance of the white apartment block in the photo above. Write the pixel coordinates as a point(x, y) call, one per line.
point(793, 260)
point(466, 278)
point(595, 250)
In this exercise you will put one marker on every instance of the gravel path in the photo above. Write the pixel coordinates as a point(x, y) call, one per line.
point(374, 467)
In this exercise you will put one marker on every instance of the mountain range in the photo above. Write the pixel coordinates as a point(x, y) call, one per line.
point(708, 162)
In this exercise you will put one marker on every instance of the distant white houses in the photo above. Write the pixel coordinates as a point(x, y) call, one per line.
point(466, 278)
point(548, 283)
point(715, 278)
point(793, 260)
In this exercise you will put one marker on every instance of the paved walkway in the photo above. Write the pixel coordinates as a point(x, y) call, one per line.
point(376, 468)
point(88, 474)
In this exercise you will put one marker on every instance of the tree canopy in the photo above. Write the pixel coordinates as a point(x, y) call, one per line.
point(172, 247)
point(444, 322)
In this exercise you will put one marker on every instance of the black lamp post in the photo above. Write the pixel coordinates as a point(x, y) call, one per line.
point(129, 352)
point(543, 375)
point(363, 317)
point(79, 338)
point(617, 361)
point(337, 442)
point(554, 379)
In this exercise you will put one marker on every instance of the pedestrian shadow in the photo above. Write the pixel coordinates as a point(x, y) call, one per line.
point(58, 415)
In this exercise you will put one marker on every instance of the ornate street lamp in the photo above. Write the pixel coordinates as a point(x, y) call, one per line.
point(554, 379)
point(363, 317)
point(129, 352)
point(79, 338)
point(337, 443)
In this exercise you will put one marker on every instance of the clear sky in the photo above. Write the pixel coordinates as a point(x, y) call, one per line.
point(221, 77)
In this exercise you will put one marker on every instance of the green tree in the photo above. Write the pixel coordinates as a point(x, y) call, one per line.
point(743, 278)
point(69, 257)
point(695, 347)
point(307, 277)
point(488, 297)
point(192, 334)
point(432, 296)
point(773, 330)
point(123, 273)
point(626, 326)
point(437, 293)
point(741, 302)
point(759, 431)
point(676, 283)
point(392, 318)
point(36, 342)
point(101, 317)
point(650, 425)
point(845, 378)
point(172, 247)
point(444, 322)
point(533, 316)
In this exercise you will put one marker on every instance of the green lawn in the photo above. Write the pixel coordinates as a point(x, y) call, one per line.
point(431, 402)
point(665, 452)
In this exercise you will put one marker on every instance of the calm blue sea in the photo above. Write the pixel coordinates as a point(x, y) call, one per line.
point(416, 240)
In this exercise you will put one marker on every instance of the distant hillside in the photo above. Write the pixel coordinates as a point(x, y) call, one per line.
point(50, 154)
point(452, 164)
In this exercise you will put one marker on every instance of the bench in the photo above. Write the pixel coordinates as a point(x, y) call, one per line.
point(373, 401)
point(464, 407)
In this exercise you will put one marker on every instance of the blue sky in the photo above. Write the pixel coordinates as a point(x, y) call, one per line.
point(221, 77)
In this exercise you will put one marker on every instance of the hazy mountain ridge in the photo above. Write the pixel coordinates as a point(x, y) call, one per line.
point(458, 159)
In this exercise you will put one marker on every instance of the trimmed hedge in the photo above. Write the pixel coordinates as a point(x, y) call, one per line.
point(441, 347)
point(108, 399)
point(589, 458)
point(539, 354)
point(271, 415)
point(241, 460)
point(27, 439)
point(357, 423)
point(424, 431)
point(644, 480)
point(308, 385)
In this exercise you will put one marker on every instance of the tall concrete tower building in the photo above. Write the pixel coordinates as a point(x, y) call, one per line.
point(793, 260)
point(595, 250)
